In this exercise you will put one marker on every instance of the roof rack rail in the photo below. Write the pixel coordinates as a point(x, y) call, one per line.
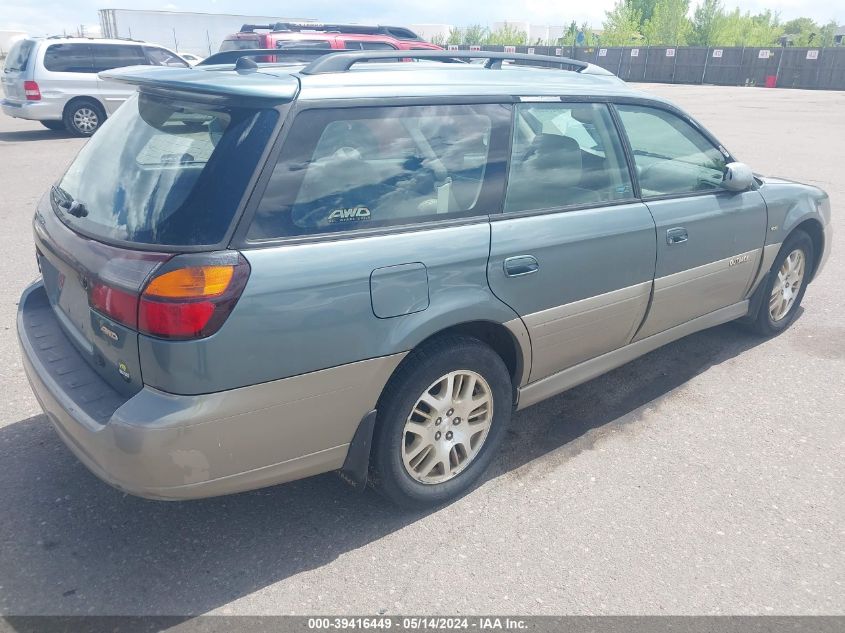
point(293, 55)
point(342, 61)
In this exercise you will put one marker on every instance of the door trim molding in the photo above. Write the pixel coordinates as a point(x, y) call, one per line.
point(557, 383)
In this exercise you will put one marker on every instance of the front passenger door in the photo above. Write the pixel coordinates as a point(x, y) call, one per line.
point(709, 240)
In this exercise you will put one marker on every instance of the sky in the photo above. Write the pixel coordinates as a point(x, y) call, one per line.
point(40, 17)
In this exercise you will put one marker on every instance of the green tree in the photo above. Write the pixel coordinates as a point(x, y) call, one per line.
point(568, 37)
point(621, 25)
point(826, 34)
point(705, 23)
point(438, 39)
point(802, 32)
point(669, 24)
point(644, 7)
point(738, 29)
point(475, 34)
point(455, 36)
point(507, 35)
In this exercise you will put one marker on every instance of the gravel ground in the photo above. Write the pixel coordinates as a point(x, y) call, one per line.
point(703, 478)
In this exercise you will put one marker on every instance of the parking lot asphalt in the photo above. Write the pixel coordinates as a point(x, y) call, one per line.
point(704, 478)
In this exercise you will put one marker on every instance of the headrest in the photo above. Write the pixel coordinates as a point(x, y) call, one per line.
point(552, 151)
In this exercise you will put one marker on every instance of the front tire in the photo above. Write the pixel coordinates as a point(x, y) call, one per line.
point(440, 421)
point(83, 117)
point(785, 285)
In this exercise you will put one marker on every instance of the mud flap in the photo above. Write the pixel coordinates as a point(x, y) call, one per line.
point(357, 463)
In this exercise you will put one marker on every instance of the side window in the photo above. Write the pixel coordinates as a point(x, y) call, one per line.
point(361, 45)
point(161, 57)
point(565, 154)
point(108, 56)
point(343, 169)
point(320, 44)
point(671, 155)
point(68, 58)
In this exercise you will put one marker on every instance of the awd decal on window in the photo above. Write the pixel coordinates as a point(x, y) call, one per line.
point(350, 214)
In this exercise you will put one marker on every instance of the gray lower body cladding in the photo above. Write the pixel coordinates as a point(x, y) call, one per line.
point(159, 445)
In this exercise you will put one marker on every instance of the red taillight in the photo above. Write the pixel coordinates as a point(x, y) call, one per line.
point(120, 305)
point(188, 297)
point(175, 320)
point(31, 90)
point(191, 296)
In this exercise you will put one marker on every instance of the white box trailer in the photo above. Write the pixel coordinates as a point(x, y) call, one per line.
point(197, 33)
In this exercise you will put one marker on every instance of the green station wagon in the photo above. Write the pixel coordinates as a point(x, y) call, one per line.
point(260, 271)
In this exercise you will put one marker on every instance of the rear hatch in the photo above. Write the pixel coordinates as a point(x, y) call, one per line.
point(15, 69)
point(160, 182)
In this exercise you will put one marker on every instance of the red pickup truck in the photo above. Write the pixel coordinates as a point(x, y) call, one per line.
point(328, 36)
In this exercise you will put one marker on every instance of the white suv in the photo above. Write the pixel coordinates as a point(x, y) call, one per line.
point(55, 81)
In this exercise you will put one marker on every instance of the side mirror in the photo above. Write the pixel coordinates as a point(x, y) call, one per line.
point(737, 177)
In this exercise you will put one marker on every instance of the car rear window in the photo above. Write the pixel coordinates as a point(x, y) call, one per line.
point(320, 44)
point(369, 45)
point(239, 44)
point(163, 172)
point(19, 56)
point(352, 168)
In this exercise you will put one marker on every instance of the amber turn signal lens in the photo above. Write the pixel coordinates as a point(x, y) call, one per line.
point(193, 282)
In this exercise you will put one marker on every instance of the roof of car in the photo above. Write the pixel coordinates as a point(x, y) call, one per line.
point(86, 40)
point(284, 82)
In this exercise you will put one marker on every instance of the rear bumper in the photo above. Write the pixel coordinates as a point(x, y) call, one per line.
point(44, 110)
point(165, 446)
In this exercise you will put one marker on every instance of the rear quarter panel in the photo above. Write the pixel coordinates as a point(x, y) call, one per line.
point(308, 307)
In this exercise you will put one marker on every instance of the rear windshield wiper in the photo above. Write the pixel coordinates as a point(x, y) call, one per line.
point(66, 202)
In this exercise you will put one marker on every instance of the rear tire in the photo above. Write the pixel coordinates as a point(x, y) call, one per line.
point(83, 117)
point(785, 285)
point(440, 421)
point(53, 125)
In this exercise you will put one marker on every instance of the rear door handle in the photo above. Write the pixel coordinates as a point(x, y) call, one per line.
point(677, 235)
point(521, 265)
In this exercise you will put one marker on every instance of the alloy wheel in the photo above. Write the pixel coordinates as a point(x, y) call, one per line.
point(787, 285)
point(447, 427)
point(86, 120)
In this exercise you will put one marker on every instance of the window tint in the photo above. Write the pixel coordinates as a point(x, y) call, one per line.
point(19, 56)
point(240, 44)
point(164, 171)
point(360, 45)
point(344, 169)
point(108, 56)
point(161, 57)
point(303, 44)
point(565, 154)
point(671, 156)
point(69, 58)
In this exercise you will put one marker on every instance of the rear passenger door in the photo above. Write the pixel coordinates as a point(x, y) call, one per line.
point(70, 72)
point(709, 240)
point(109, 56)
point(573, 253)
